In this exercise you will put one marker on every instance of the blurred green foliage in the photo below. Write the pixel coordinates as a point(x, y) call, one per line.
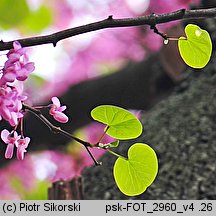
point(13, 12)
point(38, 20)
point(18, 14)
point(37, 192)
point(40, 192)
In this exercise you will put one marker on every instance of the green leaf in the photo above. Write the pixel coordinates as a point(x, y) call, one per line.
point(13, 12)
point(114, 144)
point(196, 48)
point(109, 145)
point(121, 123)
point(135, 174)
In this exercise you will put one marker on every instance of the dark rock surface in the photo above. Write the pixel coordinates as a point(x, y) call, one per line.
point(182, 131)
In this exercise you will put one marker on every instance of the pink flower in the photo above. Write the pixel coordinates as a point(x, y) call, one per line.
point(23, 70)
point(10, 139)
point(17, 65)
point(18, 68)
point(11, 99)
point(21, 145)
point(57, 111)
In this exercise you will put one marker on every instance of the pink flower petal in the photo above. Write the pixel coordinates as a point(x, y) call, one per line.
point(29, 67)
point(25, 56)
point(6, 114)
point(62, 108)
point(9, 151)
point(27, 141)
point(60, 117)
point(52, 110)
point(12, 58)
point(22, 74)
point(20, 152)
point(16, 135)
point(14, 119)
point(9, 77)
point(17, 45)
point(56, 101)
point(4, 135)
point(22, 77)
point(23, 141)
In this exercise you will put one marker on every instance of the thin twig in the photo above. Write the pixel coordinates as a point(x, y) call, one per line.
point(52, 127)
point(150, 20)
point(58, 130)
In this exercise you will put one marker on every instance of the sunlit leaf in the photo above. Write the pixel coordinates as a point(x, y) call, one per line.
point(121, 123)
point(135, 174)
point(12, 12)
point(196, 48)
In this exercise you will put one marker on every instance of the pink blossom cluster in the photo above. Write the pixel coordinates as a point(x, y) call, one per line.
point(17, 65)
point(13, 139)
point(15, 68)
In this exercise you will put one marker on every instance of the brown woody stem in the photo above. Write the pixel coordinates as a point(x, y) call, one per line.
point(110, 22)
point(58, 130)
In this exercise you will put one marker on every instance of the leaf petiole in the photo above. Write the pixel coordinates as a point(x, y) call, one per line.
point(116, 154)
point(105, 130)
point(176, 39)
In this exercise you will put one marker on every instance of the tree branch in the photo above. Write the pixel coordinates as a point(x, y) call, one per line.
point(150, 20)
point(58, 130)
point(52, 127)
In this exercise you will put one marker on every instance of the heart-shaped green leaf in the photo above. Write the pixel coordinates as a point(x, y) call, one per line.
point(196, 48)
point(121, 124)
point(135, 174)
